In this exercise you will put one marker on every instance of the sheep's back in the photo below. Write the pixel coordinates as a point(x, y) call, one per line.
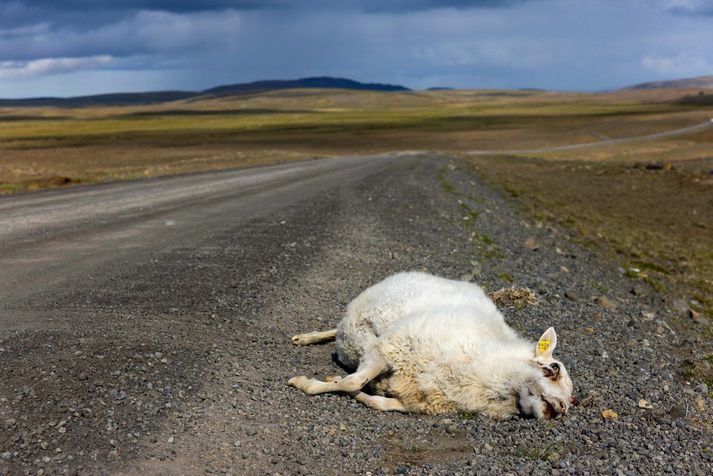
point(394, 299)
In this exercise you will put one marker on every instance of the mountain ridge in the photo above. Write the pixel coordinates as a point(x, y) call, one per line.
point(698, 82)
point(155, 97)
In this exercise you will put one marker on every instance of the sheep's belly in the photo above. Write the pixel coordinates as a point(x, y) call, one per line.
point(434, 401)
point(407, 390)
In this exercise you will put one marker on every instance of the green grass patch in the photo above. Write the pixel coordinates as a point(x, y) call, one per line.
point(469, 213)
point(467, 416)
point(484, 247)
point(643, 265)
point(655, 283)
point(546, 453)
point(11, 187)
point(487, 248)
point(599, 287)
point(485, 239)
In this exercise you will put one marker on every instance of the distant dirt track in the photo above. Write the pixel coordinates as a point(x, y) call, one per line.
point(606, 142)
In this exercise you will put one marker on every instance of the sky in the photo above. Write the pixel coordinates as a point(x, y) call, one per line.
point(77, 47)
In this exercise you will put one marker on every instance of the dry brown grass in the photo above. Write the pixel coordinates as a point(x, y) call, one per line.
point(657, 223)
point(514, 297)
point(52, 146)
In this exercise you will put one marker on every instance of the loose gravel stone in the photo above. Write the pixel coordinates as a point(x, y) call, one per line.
point(572, 295)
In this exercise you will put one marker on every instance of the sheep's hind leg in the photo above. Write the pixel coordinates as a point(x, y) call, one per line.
point(368, 370)
point(378, 402)
point(315, 337)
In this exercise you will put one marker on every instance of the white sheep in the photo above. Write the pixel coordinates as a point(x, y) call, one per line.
point(432, 345)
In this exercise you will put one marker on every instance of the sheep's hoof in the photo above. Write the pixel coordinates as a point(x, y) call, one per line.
point(295, 381)
point(302, 339)
point(301, 383)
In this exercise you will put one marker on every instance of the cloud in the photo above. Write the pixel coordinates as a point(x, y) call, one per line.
point(50, 66)
point(184, 6)
point(677, 66)
point(25, 31)
point(176, 6)
point(565, 44)
point(141, 33)
point(78, 14)
point(686, 7)
point(393, 6)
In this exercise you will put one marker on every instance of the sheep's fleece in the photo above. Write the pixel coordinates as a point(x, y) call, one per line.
point(432, 345)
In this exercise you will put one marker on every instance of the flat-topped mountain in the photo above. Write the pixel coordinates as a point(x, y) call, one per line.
point(323, 82)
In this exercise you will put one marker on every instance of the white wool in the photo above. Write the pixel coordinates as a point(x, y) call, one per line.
point(447, 346)
point(414, 299)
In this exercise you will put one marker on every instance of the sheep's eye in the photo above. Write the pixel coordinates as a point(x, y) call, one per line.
point(555, 367)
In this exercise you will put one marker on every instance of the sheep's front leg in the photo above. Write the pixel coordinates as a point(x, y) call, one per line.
point(368, 370)
point(310, 338)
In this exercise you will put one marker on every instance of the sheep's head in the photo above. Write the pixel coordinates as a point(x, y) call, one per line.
point(550, 393)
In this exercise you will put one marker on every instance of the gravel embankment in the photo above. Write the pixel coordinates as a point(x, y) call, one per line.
point(191, 375)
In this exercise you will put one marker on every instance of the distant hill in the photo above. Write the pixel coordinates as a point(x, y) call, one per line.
point(137, 99)
point(701, 82)
point(114, 99)
point(323, 82)
point(440, 88)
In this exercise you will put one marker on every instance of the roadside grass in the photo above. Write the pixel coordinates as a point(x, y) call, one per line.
point(546, 453)
point(657, 223)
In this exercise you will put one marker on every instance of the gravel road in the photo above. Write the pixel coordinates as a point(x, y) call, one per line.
point(145, 329)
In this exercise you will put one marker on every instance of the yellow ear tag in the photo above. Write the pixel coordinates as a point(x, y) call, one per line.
point(543, 345)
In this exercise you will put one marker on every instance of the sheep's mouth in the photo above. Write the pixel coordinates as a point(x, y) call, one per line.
point(549, 410)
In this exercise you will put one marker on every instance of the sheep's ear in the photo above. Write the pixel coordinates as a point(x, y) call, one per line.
point(547, 343)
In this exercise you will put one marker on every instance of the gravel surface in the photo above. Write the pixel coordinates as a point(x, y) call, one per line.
point(179, 362)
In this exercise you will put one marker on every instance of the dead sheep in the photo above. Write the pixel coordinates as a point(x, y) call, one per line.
point(427, 344)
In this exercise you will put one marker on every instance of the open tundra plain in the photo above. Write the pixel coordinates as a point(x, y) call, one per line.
point(145, 325)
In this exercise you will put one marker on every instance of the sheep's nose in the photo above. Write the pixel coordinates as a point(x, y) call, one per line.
point(573, 400)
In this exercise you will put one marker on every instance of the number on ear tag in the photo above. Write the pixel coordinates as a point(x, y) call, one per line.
point(543, 345)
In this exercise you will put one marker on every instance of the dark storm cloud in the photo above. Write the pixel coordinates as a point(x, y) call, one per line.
point(137, 33)
point(688, 11)
point(395, 6)
point(186, 6)
point(39, 29)
point(685, 7)
point(85, 14)
point(77, 46)
point(164, 5)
